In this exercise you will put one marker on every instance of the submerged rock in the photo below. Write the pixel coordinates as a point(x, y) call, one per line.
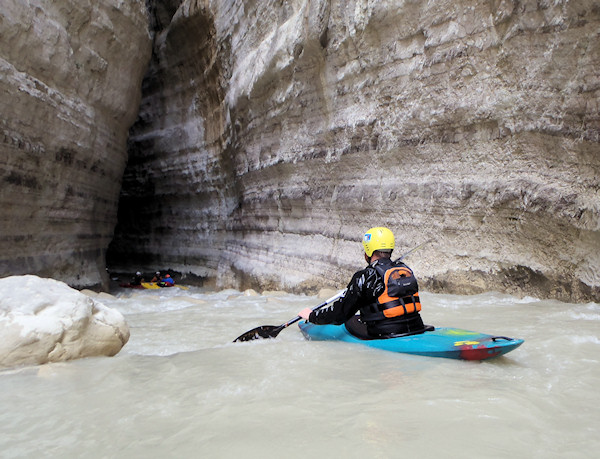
point(45, 320)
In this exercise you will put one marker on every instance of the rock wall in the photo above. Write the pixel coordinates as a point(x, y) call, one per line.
point(70, 77)
point(273, 134)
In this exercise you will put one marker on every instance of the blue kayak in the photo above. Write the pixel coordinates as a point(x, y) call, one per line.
point(451, 343)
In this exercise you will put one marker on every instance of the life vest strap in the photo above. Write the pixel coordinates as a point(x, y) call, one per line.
point(406, 305)
point(395, 308)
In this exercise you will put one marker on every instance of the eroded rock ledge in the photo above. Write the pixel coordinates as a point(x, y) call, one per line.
point(273, 134)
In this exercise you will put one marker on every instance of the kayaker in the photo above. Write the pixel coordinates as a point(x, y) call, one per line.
point(156, 277)
point(138, 279)
point(386, 293)
point(167, 281)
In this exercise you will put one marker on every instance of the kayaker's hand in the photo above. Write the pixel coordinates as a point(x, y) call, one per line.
point(305, 313)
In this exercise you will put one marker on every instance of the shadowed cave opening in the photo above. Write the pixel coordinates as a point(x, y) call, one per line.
point(155, 195)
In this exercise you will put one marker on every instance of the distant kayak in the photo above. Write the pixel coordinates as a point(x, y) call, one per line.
point(155, 285)
point(452, 343)
point(152, 286)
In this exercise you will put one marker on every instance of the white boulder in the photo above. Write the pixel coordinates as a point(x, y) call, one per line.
point(45, 320)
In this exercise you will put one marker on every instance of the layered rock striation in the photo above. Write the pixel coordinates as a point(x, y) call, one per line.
point(272, 135)
point(70, 76)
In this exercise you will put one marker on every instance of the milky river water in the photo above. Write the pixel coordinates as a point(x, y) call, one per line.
point(181, 389)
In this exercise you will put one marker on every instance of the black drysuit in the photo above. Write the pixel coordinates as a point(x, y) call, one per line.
point(364, 288)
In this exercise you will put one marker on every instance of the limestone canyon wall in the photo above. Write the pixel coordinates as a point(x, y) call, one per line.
point(272, 134)
point(70, 77)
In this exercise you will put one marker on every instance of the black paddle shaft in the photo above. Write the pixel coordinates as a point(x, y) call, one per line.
point(271, 331)
point(412, 250)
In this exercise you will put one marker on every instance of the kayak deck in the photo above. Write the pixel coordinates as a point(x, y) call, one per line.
point(453, 343)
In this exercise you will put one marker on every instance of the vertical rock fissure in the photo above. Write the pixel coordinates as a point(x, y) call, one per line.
point(178, 187)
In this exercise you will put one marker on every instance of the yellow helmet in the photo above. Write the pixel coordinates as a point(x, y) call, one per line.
point(378, 239)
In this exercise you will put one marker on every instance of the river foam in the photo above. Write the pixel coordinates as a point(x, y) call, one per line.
point(181, 388)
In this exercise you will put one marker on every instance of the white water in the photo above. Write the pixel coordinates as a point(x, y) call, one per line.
point(181, 389)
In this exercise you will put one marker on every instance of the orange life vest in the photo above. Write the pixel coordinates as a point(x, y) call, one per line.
point(401, 294)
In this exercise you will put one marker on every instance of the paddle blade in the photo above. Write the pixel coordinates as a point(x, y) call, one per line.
point(265, 331)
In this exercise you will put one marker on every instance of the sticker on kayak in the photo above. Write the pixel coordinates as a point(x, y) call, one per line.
point(460, 332)
point(465, 343)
